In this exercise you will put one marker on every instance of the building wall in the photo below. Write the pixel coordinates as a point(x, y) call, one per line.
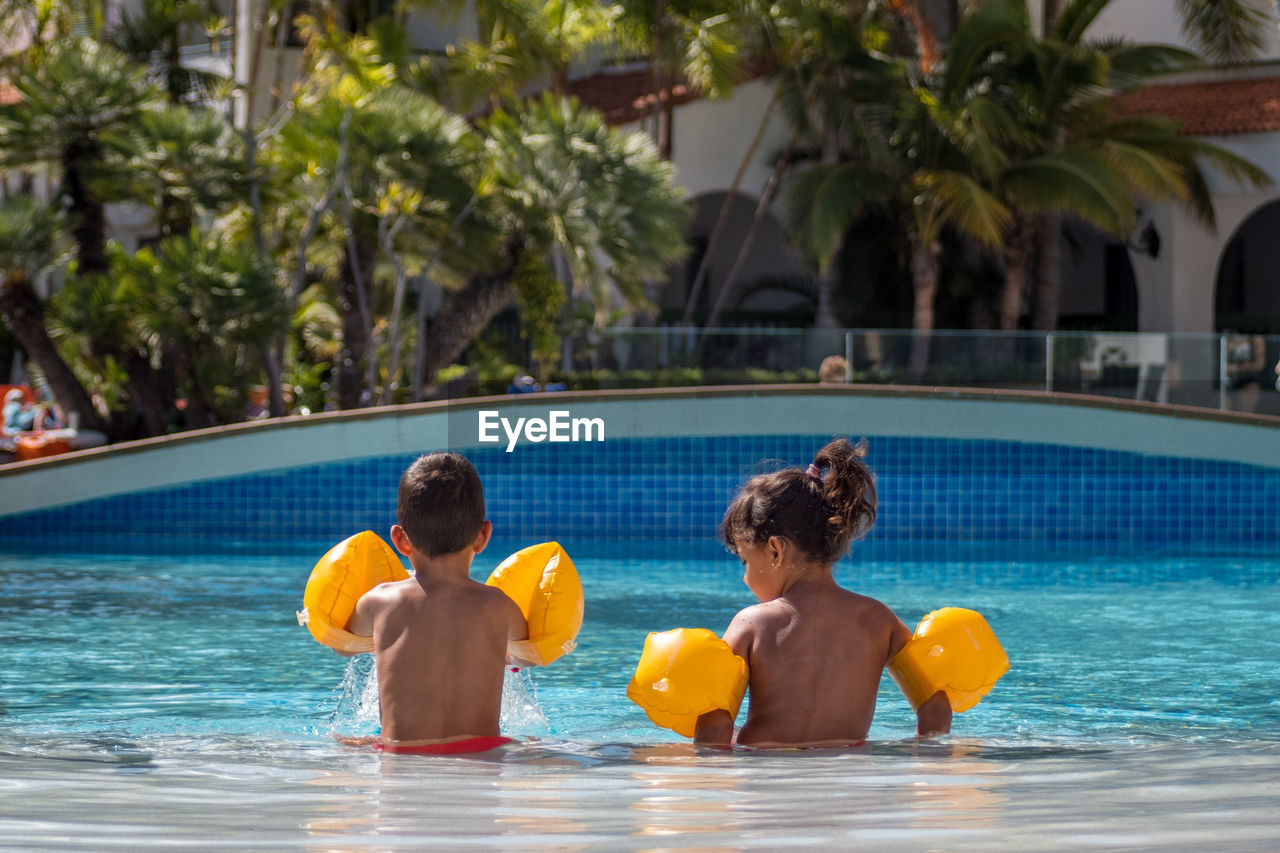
point(1158, 21)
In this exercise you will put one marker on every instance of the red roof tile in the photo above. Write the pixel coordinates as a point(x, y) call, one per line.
point(624, 96)
point(1212, 109)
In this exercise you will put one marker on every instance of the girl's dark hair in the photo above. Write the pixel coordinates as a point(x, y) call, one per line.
point(820, 513)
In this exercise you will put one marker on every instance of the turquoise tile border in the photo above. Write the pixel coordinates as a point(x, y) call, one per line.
point(672, 488)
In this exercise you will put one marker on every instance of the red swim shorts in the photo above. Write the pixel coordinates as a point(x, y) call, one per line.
point(452, 747)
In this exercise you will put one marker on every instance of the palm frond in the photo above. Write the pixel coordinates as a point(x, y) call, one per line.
point(1135, 64)
point(32, 236)
point(1076, 181)
point(1076, 18)
point(996, 26)
point(1228, 31)
point(956, 200)
point(825, 200)
point(1145, 170)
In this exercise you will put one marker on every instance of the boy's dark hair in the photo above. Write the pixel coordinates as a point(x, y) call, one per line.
point(440, 504)
point(818, 514)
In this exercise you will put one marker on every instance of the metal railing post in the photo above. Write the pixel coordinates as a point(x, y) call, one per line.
point(1048, 361)
point(1222, 372)
point(848, 356)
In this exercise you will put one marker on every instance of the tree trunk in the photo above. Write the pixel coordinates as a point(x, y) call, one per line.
point(255, 61)
point(89, 231)
point(924, 281)
point(1050, 11)
point(1017, 258)
point(1049, 284)
point(828, 281)
point(464, 313)
point(199, 411)
point(722, 219)
point(174, 70)
point(762, 209)
point(828, 274)
point(666, 128)
point(354, 355)
point(275, 381)
point(145, 389)
point(386, 238)
point(24, 314)
point(420, 351)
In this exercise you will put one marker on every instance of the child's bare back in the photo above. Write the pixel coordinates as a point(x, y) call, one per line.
point(440, 638)
point(441, 650)
point(815, 651)
point(815, 655)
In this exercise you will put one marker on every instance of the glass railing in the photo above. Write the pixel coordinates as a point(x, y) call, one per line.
point(1223, 371)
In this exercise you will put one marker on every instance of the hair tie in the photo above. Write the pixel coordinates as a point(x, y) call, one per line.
point(813, 472)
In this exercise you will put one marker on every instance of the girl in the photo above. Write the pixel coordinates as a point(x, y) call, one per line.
point(815, 650)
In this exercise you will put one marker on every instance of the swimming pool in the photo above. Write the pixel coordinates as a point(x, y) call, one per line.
point(170, 699)
point(156, 691)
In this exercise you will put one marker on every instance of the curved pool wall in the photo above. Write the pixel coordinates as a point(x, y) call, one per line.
point(952, 466)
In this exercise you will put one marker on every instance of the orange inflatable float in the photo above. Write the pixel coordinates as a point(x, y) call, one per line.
point(953, 650)
point(540, 579)
point(350, 569)
point(544, 584)
point(685, 673)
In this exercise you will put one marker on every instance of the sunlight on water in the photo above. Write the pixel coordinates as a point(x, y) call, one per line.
point(171, 701)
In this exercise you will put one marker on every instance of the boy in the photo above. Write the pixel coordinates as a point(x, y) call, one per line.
point(440, 638)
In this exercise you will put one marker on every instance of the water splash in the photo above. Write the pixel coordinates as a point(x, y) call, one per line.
point(521, 713)
point(355, 710)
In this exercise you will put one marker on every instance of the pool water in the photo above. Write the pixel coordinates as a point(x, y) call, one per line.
point(166, 700)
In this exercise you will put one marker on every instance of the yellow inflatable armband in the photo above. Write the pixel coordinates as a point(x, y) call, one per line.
point(954, 650)
point(350, 569)
point(685, 673)
point(542, 580)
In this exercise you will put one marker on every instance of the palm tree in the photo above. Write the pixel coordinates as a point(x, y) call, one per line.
point(915, 151)
point(210, 308)
point(405, 170)
point(73, 102)
point(568, 184)
point(183, 162)
point(1083, 159)
point(94, 315)
point(1227, 31)
point(32, 241)
point(518, 44)
point(153, 37)
point(574, 186)
point(691, 41)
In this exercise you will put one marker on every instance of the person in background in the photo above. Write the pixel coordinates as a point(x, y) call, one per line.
point(1246, 361)
point(21, 415)
point(833, 371)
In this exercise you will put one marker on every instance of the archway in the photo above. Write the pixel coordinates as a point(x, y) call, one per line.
point(1246, 295)
point(768, 284)
point(1099, 289)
